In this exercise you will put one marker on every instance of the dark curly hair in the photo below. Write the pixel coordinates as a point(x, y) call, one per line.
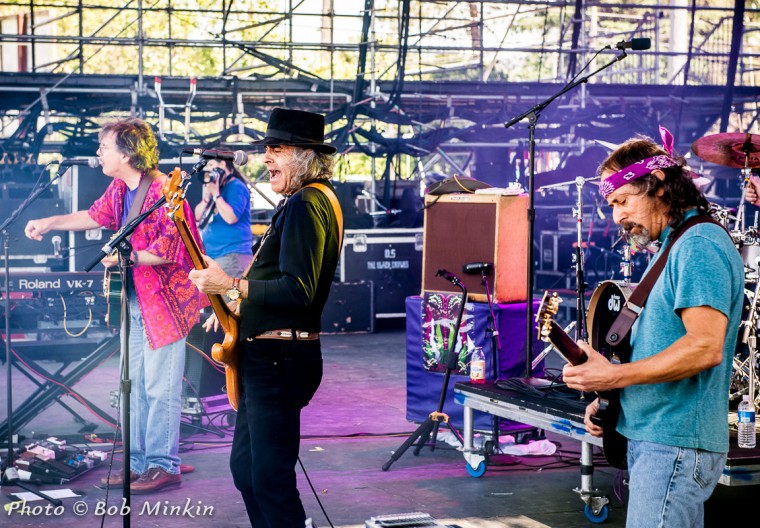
point(134, 138)
point(680, 192)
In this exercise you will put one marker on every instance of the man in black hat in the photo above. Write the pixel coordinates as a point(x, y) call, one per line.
point(281, 300)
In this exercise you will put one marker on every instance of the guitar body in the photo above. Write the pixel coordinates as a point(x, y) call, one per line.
point(226, 352)
point(606, 303)
point(112, 290)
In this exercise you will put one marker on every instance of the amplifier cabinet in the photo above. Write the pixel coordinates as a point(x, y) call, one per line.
point(464, 228)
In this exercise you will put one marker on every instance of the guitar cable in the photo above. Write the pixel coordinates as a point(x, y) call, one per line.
point(65, 328)
point(316, 496)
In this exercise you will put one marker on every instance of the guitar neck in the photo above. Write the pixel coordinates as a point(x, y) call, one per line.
point(220, 307)
point(565, 345)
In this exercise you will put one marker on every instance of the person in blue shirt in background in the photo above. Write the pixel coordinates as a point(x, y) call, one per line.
point(224, 217)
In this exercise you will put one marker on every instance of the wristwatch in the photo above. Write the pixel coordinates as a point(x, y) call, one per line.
point(234, 292)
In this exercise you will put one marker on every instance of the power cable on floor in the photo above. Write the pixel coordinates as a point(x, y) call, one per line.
point(316, 496)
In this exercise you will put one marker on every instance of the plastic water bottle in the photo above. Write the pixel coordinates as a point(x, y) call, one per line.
point(477, 366)
point(746, 422)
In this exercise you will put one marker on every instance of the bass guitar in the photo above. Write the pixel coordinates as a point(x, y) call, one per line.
point(604, 306)
point(226, 352)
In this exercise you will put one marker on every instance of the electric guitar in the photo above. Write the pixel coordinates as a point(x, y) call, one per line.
point(615, 445)
point(226, 352)
point(112, 291)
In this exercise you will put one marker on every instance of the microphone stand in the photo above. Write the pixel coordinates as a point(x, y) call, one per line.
point(9, 476)
point(120, 242)
point(495, 352)
point(533, 115)
point(429, 428)
point(581, 332)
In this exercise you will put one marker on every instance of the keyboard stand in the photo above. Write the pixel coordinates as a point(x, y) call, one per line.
point(57, 385)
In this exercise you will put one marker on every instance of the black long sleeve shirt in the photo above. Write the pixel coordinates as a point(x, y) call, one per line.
point(290, 279)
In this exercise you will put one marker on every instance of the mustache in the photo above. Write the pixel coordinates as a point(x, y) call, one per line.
point(627, 227)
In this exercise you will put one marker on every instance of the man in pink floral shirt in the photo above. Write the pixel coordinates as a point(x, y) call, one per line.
point(163, 304)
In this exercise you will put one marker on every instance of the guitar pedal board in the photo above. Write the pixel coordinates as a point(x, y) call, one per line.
point(51, 461)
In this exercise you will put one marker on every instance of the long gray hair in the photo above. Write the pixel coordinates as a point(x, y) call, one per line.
point(308, 166)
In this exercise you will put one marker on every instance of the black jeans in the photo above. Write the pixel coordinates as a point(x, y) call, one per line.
point(278, 380)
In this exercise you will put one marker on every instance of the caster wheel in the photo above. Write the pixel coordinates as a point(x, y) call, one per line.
point(478, 471)
point(489, 448)
point(597, 519)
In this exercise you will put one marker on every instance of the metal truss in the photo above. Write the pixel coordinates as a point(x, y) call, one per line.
point(431, 80)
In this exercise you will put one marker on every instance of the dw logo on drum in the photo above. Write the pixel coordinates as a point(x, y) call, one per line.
point(614, 303)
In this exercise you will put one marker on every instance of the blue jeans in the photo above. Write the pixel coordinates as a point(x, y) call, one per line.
point(278, 380)
point(155, 400)
point(669, 485)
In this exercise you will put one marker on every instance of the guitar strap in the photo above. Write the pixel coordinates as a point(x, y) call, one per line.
point(330, 194)
point(635, 304)
point(142, 192)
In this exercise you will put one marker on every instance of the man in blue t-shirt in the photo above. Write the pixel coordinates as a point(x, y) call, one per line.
point(224, 217)
point(674, 391)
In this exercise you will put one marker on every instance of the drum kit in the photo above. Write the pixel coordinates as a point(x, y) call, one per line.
point(740, 151)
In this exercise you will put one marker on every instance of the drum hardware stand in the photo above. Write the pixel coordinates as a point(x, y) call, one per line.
point(429, 428)
point(740, 210)
point(581, 332)
point(749, 338)
point(626, 266)
point(549, 348)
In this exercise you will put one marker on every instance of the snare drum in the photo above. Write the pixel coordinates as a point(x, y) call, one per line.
point(750, 254)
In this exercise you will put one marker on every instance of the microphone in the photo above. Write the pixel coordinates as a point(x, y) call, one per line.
point(238, 157)
point(635, 44)
point(93, 163)
point(56, 240)
point(473, 268)
point(453, 279)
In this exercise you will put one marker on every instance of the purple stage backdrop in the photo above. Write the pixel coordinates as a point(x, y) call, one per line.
point(426, 336)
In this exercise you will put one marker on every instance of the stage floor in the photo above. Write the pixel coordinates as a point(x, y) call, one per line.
point(355, 422)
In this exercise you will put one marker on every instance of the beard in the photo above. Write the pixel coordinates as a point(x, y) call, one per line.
point(640, 239)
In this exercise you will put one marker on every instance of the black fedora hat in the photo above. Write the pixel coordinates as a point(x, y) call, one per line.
point(296, 128)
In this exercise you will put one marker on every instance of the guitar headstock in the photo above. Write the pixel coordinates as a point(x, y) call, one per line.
point(174, 194)
point(546, 313)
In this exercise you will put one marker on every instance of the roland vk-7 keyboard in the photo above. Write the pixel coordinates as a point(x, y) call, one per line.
point(24, 282)
point(42, 302)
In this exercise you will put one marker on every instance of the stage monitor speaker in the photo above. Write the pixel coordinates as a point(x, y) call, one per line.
point(465, 228)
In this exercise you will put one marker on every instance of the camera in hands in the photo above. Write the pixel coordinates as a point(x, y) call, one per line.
point(211, 176)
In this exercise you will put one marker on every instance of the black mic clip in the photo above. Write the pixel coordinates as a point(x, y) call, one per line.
point(453, 279)
point(474, 268)
point(635, 44)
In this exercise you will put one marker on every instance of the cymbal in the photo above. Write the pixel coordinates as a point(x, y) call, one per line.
point(730, 149)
